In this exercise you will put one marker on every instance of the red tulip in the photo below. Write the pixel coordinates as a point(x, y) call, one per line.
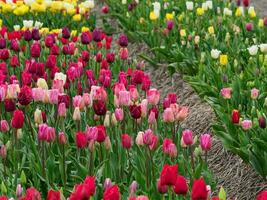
point(135, 111)
point(49, 41)
point(86, 38)
point(10, 105)
point(17, 119)
point(25, 95)
point(89, 183)
point(262, 195)
point(14, 61)
point(81, 140)
point(27, 35)
point(32, 194)
point(3, 198)
point(99, 107)
point(169, 174)
point(65, 33)
point(36, 50)
point(199, 190)
point(105, 9)
point(2, 43)
point(14, 45)
point(246, 3)
point(36, 34)
point(123, 40)
point(235, 117)
point(4, 54)
point(126, 141)
point(180, 186)
point(101, 133)
point(53, 195)
point(112, 193)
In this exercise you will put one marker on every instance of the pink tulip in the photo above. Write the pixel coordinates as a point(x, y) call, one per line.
point(246, 124)
point(78, 102)
point(123, 53)
point(3, 151)
point(4, 126)
point(133, 93)
point(98, 93)
point(38, 94)
point(144, 104)
point(153, 96)
point(42, 129)
point(107, 184)
point(187, 137)
point(119, 114)
point(53, 96)
point(168, 115)
point(124, 98)
point(50, 134)
point(87, 99)
point(226, 93)
point(62, 110)
point(182, 114)
point(254, 93)
point(205, 142)
point(62, 138)
point(152, 118)
point(148, 137)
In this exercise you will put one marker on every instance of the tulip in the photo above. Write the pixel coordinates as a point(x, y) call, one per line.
point(4, 54)
point(65, 33)
point(262, 122)
point(153, 96)
point(97, 35)
point(189, 5)
point(17, 119)
point(235, 117)
point(223, 59)
point(262, 195)
point(4, 126)
point(86, 38)
point(249, 26)
point(245, 3)
point(140, 138)
point(76, 114)
point(10, 105)
point(168, 115)
point(123, 40)
point(53, 195)
point(2, 43)
point(226, 93)
point(123, 53)
point(19, 190)
point(105, 9)
point(101, 133)
point(107, 184)
point(38, 117)
point(27, 35)
point(113, 193)
point(107, 143)
point(135, 111)
point(119, 114)
point(187, 137)
point(246, 124)
point(254, 93)
point(253, 50)
point(205, 142)
point(133, 188)
point(25, 95)
point(180, 187)
point(62, 138)
point(81, 140)
point(169, 174)
point(182, 113)
point(3, 151)
point(126, 141)
point(199, 189)
point(99, 108)
point(162, 189)
point(35, 50)
point(36, 34)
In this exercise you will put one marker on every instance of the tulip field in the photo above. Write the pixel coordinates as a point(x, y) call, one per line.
point(83, 118)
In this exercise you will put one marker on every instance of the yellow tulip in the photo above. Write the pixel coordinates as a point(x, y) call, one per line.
point(141, 20)
point(252, 14)
point(73, 33)
point(41, 83)
point(183, 32)
point(152, 16)
point(223, 59)
point(169, 16)
point(44, 30)
point(39, 1)
point(21, 10)
point(71, 11)
point(6, 8)
point(238, 12)
point(181, 17)
point(36, 7)
point(200, 11)
point(261, 23)
point(56, 6)
point(19, 3)
point(211, 30)
point(85, 29)
point(77, 17)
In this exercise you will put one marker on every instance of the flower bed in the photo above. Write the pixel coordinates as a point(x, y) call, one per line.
point(220, 48)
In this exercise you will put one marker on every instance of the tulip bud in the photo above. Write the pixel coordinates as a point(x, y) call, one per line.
point(3, 151)
point(107, 184)
point(205, 142)
point(262, 122)
point(38, 117)
point(62, 138)
point(19, 190)
point(107, 119)
point(140, 138)
point(76, 114)
point(113, 120)
point(107, 143)
point(23, 178)
point(187, 137)
point(133, 188)
point(235, 117)
point(4, 126)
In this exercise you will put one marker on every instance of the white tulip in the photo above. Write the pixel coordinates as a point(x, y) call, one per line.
point(16, 27)
point(253, 50)
point(189, 5)
point(28, 23)
point(204, 6)
point(89, 4)
point(215, 53)
point(60, 76)
point(29, 2)
point(227, 11)
point(209, 4)
point(156, 9)
point(38, 24)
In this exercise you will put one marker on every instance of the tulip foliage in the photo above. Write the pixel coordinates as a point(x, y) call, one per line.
point(220, 47)
point(76, 115)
